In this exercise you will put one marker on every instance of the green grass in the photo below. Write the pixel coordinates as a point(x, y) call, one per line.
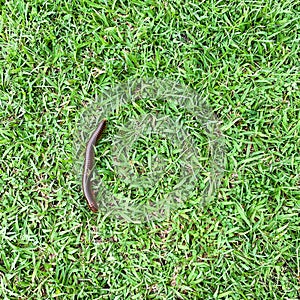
point(56, 56)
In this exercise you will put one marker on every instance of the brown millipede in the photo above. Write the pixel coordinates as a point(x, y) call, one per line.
point(89, 165)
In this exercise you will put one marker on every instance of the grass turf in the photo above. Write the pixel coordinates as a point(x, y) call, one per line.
point(56, 56)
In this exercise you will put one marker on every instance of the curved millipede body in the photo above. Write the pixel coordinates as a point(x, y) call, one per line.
point(89, 165)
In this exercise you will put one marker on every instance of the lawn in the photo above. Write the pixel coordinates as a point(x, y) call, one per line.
point(58, 57)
